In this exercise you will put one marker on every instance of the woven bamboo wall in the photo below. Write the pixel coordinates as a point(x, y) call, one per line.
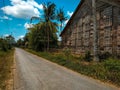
point(79, 34)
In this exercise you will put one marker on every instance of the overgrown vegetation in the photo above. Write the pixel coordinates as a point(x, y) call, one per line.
point(6, 60)
point(88, 56)
point(7, 43)
point(107, 70)
point(105, 55)
point(6, 63)
point(43, 35)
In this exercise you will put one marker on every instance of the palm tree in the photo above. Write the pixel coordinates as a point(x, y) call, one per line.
point(36, 18)
point(48, 20)
point(49, 17)
point(61, 17)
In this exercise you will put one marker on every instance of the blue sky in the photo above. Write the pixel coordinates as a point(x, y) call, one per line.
point(15, 14)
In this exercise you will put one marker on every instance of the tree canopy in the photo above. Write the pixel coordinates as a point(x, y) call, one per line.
point(43, 35)
point(7, 43)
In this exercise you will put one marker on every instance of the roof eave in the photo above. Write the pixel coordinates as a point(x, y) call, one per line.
point(81, 2)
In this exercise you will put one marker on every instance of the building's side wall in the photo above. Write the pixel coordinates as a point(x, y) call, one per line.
point(109, 23)
point(105, 29)
point(116, 30)
point(79, 34)
point(78, 31)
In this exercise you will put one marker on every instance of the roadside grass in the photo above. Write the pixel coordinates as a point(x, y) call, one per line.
point(107, 70)
point(6, 62)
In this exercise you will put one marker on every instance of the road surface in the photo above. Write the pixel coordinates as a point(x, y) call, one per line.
point(35, 73)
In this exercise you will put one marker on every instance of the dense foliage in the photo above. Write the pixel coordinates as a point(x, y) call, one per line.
point(43, 35)
point(7, 43)
point(38, 37)
point(61, 17)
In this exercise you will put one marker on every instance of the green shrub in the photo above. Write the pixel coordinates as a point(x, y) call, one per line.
point(3, 45)
point(112, 65)
point(67, 53)
point(113, 70)
point(88, 56)
point(105, 55)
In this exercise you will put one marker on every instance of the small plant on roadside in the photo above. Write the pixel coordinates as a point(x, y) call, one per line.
point(6, 62)
point(103, 56)
point(67, 53)
point(88, 56)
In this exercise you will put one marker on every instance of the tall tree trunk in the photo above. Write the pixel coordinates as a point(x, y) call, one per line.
point(44, 44)
point(61, 27)
point(96, 58)
point(48, 41)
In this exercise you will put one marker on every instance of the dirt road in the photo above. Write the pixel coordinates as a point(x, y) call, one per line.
point(35, 73)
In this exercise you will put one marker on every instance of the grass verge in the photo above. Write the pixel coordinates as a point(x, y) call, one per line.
point(6, 63)
point(107, 71)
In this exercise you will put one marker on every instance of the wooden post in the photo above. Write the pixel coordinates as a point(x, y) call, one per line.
point(96, 58)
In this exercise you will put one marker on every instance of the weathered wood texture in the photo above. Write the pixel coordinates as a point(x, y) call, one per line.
point(78, 34)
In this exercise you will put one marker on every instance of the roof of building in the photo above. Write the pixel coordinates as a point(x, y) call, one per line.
point(81, 2)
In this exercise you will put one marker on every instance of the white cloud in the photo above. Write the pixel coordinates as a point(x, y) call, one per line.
point(27, 25)
point(69, 13)
point(23, 9)
point(20, 37)
point(66, 22)
point(6, 35)
point(13, 2)
point(35, 4)
point(6, 18)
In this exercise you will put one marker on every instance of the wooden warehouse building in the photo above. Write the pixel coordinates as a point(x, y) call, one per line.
point(78, 34)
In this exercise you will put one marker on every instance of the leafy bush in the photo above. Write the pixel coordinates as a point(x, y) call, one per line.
point(88, 56)
point(118, 56)
point(7, 43)
point(113, 70)
point(3, 45)
point(67, 53)
point(104, 55)
point(112, 65)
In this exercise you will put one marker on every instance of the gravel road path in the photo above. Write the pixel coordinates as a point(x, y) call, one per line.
point(35, 73)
